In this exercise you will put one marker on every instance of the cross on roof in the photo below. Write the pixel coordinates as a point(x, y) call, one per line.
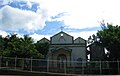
point(62, 27)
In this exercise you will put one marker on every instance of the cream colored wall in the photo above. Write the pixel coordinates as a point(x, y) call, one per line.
point(65, 39)
point(53, 58)
point(79, 40)
point(42, 41)
point(78, 47)
point(78, 51)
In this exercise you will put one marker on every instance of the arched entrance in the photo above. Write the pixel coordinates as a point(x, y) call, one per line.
point(61, 61)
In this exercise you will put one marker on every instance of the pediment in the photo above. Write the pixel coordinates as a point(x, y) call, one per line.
point(79, 40)
point(62, 38)
point(61, 34)
point(43, 40)
point(61, 49)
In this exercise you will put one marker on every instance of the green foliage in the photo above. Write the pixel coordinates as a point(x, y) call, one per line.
point(1, 45)
point(42, 47)
point(110, 39)
point(13, 46)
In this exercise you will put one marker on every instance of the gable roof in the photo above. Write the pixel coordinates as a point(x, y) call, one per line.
point(80, 38)
point(44, 40)
point(60, 33)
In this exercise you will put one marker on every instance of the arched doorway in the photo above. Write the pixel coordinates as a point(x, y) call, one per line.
point(61, 61)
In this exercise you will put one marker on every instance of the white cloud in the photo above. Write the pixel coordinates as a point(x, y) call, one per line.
point(79, 14)
point(37, 37)
point(85, 35)
point(14, 19)
point(29, 3)
point(83, 13)
point(3, 33)
point(5, 2)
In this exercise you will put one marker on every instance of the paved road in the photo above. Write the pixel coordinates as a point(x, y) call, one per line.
point(12, 72)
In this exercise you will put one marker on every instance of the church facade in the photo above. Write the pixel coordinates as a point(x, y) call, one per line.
point(63, 47)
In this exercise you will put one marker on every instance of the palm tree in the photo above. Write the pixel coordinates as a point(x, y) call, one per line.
point(28, 48)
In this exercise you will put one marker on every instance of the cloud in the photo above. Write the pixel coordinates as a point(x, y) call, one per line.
point(14, 19)
point(80, 14)
point(85, 34)
point(4, 2)
point(83, 13)
point(74, 13)
point(3, 33)
point(37, 37)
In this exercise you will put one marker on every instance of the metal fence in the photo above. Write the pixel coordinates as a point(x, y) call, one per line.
point(57, 66)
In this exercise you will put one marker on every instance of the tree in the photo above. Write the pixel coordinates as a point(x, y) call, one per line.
point(1, 45)
point(11, 45)
point(20, 47)
point(42, 47)
point(110, 39)
point(28, 48)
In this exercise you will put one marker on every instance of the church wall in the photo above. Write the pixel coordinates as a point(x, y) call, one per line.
point(78, 52)
point(53, 57)
point(74, 50)
point(44, 40)
point(79, 40)
point(62, 39)
point(82, 40)
point(76, 41)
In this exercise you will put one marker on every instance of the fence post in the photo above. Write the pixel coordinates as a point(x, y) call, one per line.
point(15, 61)
point(7, 63)
point(100, 67)
point(82, 67)
point(0, 61)
point(48, 65)
point(64, 66)
point(31, 64)
point(118, 66)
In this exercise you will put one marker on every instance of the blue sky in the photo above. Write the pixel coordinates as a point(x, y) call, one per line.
point(44, 18)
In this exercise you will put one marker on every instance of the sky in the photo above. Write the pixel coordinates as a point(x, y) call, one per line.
point(44, 18)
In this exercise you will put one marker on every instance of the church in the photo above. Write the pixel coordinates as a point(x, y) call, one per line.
point(64, 47)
